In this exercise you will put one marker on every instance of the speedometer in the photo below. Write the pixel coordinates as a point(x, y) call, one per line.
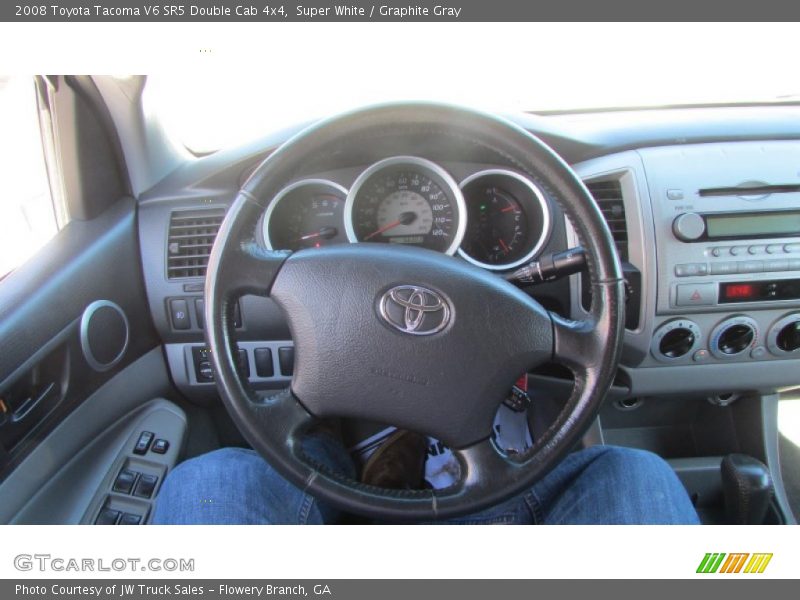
point(406, 200)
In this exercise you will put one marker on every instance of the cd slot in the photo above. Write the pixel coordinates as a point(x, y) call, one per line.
point(760, 190)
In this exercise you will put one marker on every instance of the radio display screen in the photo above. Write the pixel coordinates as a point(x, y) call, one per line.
point(784, 223)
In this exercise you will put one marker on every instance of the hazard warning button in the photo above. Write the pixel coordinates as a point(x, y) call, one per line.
point(696, 294)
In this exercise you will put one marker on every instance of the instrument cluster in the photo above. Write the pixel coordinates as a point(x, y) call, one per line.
point(496, 218)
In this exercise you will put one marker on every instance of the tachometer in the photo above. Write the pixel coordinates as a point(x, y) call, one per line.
point(406, 200)
point(306, 214)
point(508, 219)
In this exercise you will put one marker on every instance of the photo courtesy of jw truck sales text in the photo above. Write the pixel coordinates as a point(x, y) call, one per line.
point(138, 590)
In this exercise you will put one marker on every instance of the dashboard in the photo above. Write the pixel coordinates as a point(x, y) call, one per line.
point(703, 204)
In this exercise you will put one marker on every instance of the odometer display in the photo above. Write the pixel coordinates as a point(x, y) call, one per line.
point(406, 200)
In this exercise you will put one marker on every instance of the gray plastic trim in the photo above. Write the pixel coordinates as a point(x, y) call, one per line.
point(627, 168)
point(769, 417)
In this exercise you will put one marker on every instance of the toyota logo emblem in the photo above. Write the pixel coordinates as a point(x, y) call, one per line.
point(415, 310)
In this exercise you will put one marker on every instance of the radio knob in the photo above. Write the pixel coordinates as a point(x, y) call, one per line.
point(688, 227)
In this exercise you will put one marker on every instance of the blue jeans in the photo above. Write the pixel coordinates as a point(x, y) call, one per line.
point(599, 485)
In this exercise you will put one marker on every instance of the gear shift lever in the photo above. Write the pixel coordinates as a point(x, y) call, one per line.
point(747, 488)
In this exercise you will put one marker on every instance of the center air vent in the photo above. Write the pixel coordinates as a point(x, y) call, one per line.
point(191, 236)
point(608, 195)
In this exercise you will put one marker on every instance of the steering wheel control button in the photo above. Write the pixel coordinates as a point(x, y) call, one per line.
point(145, 486)
point(123, 484)
point(733, 337)
point(688, 227)
point(179, 311)
point(691, 269)
point(415, 310)
point(696, 294)
point(286, 360)
point(143, 443)
point(160, 446)
point(130, 519)
point(675, 340)
point(263, 359)
point(107, 516)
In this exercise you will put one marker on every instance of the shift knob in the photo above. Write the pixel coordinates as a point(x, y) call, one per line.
point(747, 488)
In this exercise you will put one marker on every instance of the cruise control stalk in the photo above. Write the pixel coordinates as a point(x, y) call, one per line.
point(550, 267)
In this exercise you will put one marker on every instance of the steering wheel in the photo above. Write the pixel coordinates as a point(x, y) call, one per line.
point(350, 363)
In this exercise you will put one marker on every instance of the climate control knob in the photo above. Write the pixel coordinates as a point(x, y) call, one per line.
point(675, 339)
point(688, 227)
point(734, 337)
point(784, 336)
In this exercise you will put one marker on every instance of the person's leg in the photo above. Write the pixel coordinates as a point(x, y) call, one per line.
point(599, 485)
point(611, 485)
point(234, 486)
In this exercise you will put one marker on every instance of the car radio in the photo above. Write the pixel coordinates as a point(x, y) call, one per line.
point(727, 251)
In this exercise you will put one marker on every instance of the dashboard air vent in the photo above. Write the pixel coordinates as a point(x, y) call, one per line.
point(191, 236)
point(608, 195)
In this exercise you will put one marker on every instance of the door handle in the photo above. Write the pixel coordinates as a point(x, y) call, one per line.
point(27, 405)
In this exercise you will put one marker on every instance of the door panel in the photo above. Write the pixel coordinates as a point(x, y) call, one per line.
point(46, 370)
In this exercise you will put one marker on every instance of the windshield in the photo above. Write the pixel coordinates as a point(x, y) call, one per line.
point(498, 67)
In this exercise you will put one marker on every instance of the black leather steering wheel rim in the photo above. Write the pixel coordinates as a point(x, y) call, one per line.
point(274, 426)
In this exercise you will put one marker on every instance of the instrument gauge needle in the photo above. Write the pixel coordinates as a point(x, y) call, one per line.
point(406, 218)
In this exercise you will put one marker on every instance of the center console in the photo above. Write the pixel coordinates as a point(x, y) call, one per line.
point(727, 225)
point(715, 231)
